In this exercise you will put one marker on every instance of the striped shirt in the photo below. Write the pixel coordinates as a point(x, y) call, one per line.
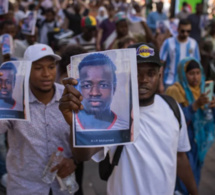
point(90, 46)
point(32, 143)
point(172, 52)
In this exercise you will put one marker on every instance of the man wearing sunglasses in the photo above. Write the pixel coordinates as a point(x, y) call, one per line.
point(177, 48)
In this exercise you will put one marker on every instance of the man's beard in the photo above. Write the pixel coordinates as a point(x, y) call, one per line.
point(147, 101)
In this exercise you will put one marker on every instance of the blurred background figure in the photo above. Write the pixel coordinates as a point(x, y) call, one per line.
point(189, 91)
point(185, 11)
point(158, 15)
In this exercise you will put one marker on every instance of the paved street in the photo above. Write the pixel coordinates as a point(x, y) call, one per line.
point(92, 184)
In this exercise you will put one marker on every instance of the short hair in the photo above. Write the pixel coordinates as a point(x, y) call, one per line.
point(184, 22)
point(184, 4)
point(50, 10)
point(98, 59)
point(10, 66)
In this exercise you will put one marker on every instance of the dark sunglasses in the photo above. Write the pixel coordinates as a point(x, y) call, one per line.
point(183, 31)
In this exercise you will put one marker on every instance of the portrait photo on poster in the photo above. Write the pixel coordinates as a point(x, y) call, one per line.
point(14, 87)
point(3, 7)
point(105, 82)
point(29, 23)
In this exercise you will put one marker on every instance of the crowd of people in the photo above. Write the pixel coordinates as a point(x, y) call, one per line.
point(168, 155)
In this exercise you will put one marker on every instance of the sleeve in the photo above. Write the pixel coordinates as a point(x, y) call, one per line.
point(68, 15)
point(164, 50)
point(150, 22)
point(5, 125)
point(188, 113)
point(102, 25)
point(183, 143)
point(196, 53)
point(100, 155)
point(72, 41)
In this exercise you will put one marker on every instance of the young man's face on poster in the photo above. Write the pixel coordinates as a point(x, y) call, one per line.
point(97, 88)
point(6, 84)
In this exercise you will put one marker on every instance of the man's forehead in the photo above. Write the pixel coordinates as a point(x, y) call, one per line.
point(44, 60)
point(7, 73)
point(104, 67)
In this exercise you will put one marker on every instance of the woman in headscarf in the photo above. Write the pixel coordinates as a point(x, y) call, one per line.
point(198, 111)
point(102, 14)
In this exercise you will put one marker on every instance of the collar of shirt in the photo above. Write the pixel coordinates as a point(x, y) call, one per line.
point(56, 97)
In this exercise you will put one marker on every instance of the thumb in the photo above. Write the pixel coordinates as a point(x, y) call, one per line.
point(55, 168)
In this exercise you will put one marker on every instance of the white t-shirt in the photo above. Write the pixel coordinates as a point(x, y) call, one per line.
point(148, 166)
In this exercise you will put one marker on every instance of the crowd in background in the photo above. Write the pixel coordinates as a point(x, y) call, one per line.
point(75, 27)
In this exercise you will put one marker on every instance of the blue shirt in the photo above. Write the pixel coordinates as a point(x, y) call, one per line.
point(153, 17)
point(172, 52)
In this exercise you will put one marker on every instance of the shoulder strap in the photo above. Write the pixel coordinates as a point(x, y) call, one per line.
point(117, 155)
point(174, 106)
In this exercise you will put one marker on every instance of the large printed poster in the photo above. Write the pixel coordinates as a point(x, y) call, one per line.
point(14, 87)
point(108, 84)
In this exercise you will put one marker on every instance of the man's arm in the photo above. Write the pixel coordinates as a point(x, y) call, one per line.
point(184, 172)
point(149, 35)
point(98, 40)
point(71, 101)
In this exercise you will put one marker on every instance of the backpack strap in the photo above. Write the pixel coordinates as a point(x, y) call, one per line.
point(174, 106)
point(117, 156)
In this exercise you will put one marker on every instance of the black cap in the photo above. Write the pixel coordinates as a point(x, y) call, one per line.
point(146, 52)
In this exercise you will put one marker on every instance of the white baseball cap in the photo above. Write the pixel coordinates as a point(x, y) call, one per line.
point(38, 51)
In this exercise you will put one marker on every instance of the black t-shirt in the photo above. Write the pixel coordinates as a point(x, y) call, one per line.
point(75, 21)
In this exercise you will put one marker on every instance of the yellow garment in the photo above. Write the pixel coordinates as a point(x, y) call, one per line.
point(177, 92)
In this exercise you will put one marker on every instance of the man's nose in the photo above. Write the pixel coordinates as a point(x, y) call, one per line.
point(95, 91)
point(46, 72)
point(3, 84)
point(143, 79)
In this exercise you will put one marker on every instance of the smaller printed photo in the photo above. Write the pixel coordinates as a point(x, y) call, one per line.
point(6, 44)
point(14, 90)
point(29, 23)
point(3, 7)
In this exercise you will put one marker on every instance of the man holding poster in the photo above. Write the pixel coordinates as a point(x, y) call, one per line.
point(149, 165)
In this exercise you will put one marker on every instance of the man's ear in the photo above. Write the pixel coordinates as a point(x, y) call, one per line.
point(114, 88)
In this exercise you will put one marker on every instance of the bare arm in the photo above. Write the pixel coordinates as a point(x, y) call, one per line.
point(69, 102)
point(149, 35)
point(64, 4)
point(184, 172)
point(84, 5)
point(98, 39)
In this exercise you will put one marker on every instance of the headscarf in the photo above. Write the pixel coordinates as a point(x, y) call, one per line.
point(100, 18)
point(203, 127)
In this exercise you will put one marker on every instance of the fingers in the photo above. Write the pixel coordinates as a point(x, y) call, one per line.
point(55, 168)
point(66, 167)
point(71, 89)
point(69, 81)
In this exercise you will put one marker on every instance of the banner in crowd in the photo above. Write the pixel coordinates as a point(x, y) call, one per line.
point(170, 25)
point(3, 7)
point(108, 83)
point(14, 90)
point(29, 23)
point(6, 41)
